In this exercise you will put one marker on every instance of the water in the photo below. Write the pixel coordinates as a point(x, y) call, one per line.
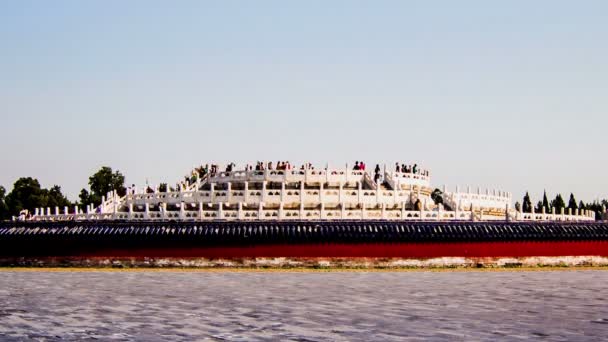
point(158, 306)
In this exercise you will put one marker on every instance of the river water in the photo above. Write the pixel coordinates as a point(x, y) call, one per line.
point(339, 306)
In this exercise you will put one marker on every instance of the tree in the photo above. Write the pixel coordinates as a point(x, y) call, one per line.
point(582, 206)
point(4, 214)
point(517, 206)
point(539, 207)
point(436, 196)
point(101, 183)
point(545, 201)
point(527, 204)
point(54, 197)
point(26, 194)
point(558, 203)
point(572, 203)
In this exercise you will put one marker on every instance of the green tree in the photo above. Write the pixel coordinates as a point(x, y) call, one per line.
point(582, 205)
point(4, 214)
point(26, 194)
point(558, 203)
point(545, 201)
point(101, 183)
point(527, 204)
point(572, 203)
point(539, 207)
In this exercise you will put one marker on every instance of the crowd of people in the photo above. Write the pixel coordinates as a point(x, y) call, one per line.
point(409, 169)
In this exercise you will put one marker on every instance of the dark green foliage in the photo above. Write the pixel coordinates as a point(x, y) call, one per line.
point(539, 207)
point(558, 203)
point(527, 204)
point(27, 194)
point(572, 203)
point(436, 196)
point(581, 205)
point(54, 197)
point(100, 183)
point(517, 206)
point(4, 214)
point(545, 202)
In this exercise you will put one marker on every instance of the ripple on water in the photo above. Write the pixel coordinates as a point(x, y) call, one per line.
point(153, 306)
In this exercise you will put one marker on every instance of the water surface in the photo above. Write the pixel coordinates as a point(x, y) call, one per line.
point(380, 306)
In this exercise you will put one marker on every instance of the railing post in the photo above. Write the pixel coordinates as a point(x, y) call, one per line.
point(322, 211)
point(283, 191)
point(246, 191)
point(260, 210)
point(321, 192)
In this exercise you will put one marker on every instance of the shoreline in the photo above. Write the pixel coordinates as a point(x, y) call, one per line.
point(173, 269)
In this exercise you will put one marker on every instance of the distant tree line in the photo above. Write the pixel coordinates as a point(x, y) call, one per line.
point(558, 203)
point(27, 194)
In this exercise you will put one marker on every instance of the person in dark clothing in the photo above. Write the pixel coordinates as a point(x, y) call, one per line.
point(357, 167)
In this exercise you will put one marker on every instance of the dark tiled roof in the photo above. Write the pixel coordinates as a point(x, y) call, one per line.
point(264, 232)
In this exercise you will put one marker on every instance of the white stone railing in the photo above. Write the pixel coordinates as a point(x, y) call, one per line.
point(337, 176)
point(277, 196)
point(401, 179)
point(202, 213)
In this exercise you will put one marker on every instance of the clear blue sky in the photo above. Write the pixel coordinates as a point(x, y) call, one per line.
point(510, 94)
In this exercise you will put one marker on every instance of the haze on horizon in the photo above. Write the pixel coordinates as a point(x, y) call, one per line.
point(506, 95)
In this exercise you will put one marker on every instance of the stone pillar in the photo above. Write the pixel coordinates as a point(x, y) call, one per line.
point(263, 191)
point(212, 190)
point(260, 210)
point(321, 192)
point(246, 192)
point(130, 211)
point(220, 210)
point(56, 211)
point(240, 211)
point(384, 211)
point(147, 210)
point(65, 210)
point(75, 210)
point(229, 191)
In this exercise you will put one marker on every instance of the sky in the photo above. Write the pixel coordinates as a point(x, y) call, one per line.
point(510, 95)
